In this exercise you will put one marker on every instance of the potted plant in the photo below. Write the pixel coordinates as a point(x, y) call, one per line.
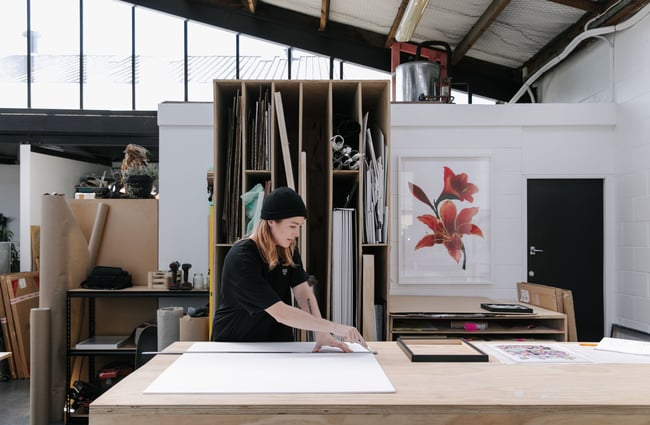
point(139, 180)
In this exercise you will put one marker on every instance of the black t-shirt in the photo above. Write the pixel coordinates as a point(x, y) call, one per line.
point(248, 287)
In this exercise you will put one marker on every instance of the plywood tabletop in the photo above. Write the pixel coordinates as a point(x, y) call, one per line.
point(424, 392)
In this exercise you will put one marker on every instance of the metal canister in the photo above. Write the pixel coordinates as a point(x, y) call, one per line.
point(420, 79)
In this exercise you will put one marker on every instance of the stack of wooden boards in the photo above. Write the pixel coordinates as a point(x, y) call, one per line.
point(18, 295)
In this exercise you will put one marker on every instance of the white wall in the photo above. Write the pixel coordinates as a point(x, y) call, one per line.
point(628, 84)
point(10, 196)
point(523, 141)
point(40, 174)
point(185, 155)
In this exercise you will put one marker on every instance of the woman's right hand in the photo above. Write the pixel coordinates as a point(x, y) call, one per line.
point(349, 334)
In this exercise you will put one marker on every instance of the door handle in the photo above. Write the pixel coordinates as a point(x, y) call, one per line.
point(532, 250)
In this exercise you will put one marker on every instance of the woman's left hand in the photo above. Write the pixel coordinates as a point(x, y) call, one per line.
point(326, 339)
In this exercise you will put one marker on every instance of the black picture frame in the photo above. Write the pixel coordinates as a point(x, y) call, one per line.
point(506, 308)
point(441, 350)
point(620, 331)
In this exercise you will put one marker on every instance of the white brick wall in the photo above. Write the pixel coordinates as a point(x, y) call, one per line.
point(573, 81)
point(523, 141)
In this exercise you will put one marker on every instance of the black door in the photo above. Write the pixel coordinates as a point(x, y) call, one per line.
point(565, 245)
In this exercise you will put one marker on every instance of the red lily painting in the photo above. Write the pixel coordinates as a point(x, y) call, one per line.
point(448, 226)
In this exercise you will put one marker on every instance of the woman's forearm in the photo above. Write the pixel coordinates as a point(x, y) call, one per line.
point(308, 319)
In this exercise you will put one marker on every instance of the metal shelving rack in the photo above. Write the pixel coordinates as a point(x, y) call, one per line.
point(128, 351)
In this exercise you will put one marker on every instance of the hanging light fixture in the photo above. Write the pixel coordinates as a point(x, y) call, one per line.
point(410, 19)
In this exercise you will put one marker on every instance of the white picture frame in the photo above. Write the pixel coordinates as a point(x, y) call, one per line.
point(442, 263)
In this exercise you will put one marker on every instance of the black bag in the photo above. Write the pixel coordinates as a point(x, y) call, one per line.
point(103, 277)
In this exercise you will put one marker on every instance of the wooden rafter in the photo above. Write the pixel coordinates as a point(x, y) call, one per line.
point(559, 43)
point(618, 12)
point(396, 21)
point(555, 46)
point(250, 5)
point(483, 23)
point(324, 14)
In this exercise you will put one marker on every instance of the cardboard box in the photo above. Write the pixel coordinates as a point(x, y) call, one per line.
point(130, 234)
point(20, 293)
point(550, 298)
point(193, 328)
point(544, 296)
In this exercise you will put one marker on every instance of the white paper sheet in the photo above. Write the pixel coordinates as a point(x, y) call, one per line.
point(265, 347)
point(532, 352)
point(222, 368)
point(626, 346)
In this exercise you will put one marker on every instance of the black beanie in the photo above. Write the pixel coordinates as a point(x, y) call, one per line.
point(281, 203)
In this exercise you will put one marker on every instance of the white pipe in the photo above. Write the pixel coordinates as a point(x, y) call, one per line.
point(530, 94)
point(610, 44)
point(574, 43)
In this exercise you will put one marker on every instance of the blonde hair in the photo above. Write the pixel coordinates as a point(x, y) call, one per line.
point(270, 252)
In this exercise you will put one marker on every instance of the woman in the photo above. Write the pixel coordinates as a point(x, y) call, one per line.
point(259, 274)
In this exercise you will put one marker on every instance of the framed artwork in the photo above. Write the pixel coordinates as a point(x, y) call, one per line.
point(506, 308)
point(441, 350)
point(444, 220)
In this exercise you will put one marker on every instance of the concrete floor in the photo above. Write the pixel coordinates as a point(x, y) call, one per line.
point(14, 402)
point(14, 408)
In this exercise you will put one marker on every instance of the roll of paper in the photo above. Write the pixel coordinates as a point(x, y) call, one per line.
point(168, 325)
point(64, 265)
point(193, 328)
point(39, 353)
point(96, 235)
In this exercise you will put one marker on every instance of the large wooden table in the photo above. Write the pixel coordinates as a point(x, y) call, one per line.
point(426, 393)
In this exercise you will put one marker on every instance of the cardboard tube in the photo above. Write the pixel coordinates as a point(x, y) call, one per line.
point(39, 385)
point(168, 325)
point(64, 265)
point(96, 235)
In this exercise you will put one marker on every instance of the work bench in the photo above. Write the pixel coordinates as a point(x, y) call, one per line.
point(429, 393)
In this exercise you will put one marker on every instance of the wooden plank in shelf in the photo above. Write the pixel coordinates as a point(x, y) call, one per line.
point(284, 140)
point(368, 293)
point(567, 304)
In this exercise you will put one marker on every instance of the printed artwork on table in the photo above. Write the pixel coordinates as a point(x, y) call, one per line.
point(539, 353)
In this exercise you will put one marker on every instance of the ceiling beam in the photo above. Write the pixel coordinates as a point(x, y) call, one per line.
point(88, 123)
point(227, 4)
point(483, 23)
point(555, 46)
point(96, 136)
point(324, 14)
point(398, 18)
point(271, 23)
point(250, 5)
point(586, 5)
point(620, 10)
